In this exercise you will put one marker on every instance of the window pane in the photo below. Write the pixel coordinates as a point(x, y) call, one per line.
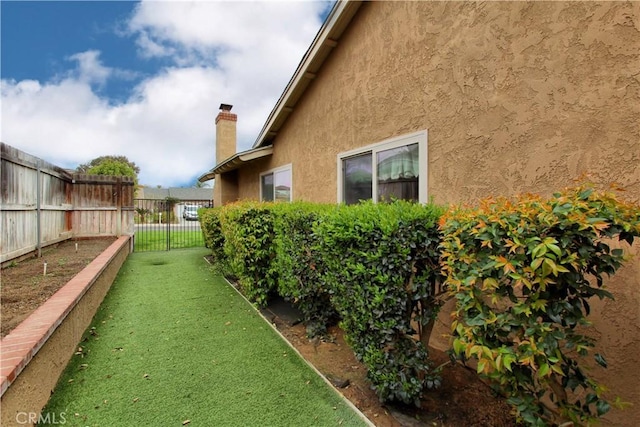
point(398, 171)
point(267, 187)
point(357, 178)
point(283, 185)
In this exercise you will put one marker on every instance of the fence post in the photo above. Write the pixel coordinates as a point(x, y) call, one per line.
point(38, 212)
point(119, 206)
point(168, 208)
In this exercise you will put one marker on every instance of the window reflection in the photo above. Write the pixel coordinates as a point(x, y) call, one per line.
point(357, 178)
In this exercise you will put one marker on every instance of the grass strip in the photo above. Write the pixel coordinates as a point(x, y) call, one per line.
point(154, 240)
point(172, 344)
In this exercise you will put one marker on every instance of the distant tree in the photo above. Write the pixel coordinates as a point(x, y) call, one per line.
point(111, 165)
point(168, 205)
point(143, 214)
point(83, 168)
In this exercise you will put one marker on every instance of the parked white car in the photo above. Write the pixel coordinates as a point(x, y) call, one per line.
point(190, 212)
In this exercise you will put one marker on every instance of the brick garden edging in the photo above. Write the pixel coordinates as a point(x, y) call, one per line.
point(36, 352)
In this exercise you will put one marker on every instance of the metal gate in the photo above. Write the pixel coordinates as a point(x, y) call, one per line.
point(162, 225)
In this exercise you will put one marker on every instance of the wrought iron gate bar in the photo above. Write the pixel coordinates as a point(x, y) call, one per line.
point(162, 225)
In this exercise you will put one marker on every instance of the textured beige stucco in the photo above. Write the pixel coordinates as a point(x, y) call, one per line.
point(516, 97)
point(616, 327)
point(226, 188)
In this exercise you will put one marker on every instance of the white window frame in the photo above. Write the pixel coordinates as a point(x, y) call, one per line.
point(421, 138)
point(287, 167)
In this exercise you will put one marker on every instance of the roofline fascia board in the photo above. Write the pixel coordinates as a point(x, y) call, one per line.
point(343, 10)
point(237, 160)
point(206, 177)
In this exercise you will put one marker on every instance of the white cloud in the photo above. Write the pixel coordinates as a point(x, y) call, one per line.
point(256, 45)
point(90, 69)
point(237, 53)
point(151, 49)
point(245, 26)
point(166, 128)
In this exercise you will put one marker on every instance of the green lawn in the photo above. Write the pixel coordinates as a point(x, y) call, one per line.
point(157, 240)
point(173, 343)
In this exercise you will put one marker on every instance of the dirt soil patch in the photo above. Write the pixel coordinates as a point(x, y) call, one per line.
point(25, 287)
point(462, 400)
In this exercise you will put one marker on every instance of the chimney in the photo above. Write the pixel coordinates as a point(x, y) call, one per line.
point(225, 133)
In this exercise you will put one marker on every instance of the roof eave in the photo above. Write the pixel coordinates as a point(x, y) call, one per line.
point(236, 161)
point(326, 39)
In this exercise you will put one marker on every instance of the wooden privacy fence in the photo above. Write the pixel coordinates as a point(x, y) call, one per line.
point(42, 204)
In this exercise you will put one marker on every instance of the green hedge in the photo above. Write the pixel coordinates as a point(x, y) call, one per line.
point(249, 250)
point(381, 268)
point(212, 231)
point(374, 265)
point(522, 272)
point(300, 265)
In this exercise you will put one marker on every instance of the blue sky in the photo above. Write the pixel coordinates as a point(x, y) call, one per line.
point(65, 28)
point(144, 79)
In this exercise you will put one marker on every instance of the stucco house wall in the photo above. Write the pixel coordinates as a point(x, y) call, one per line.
point(249, 178)
point(515, 96)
